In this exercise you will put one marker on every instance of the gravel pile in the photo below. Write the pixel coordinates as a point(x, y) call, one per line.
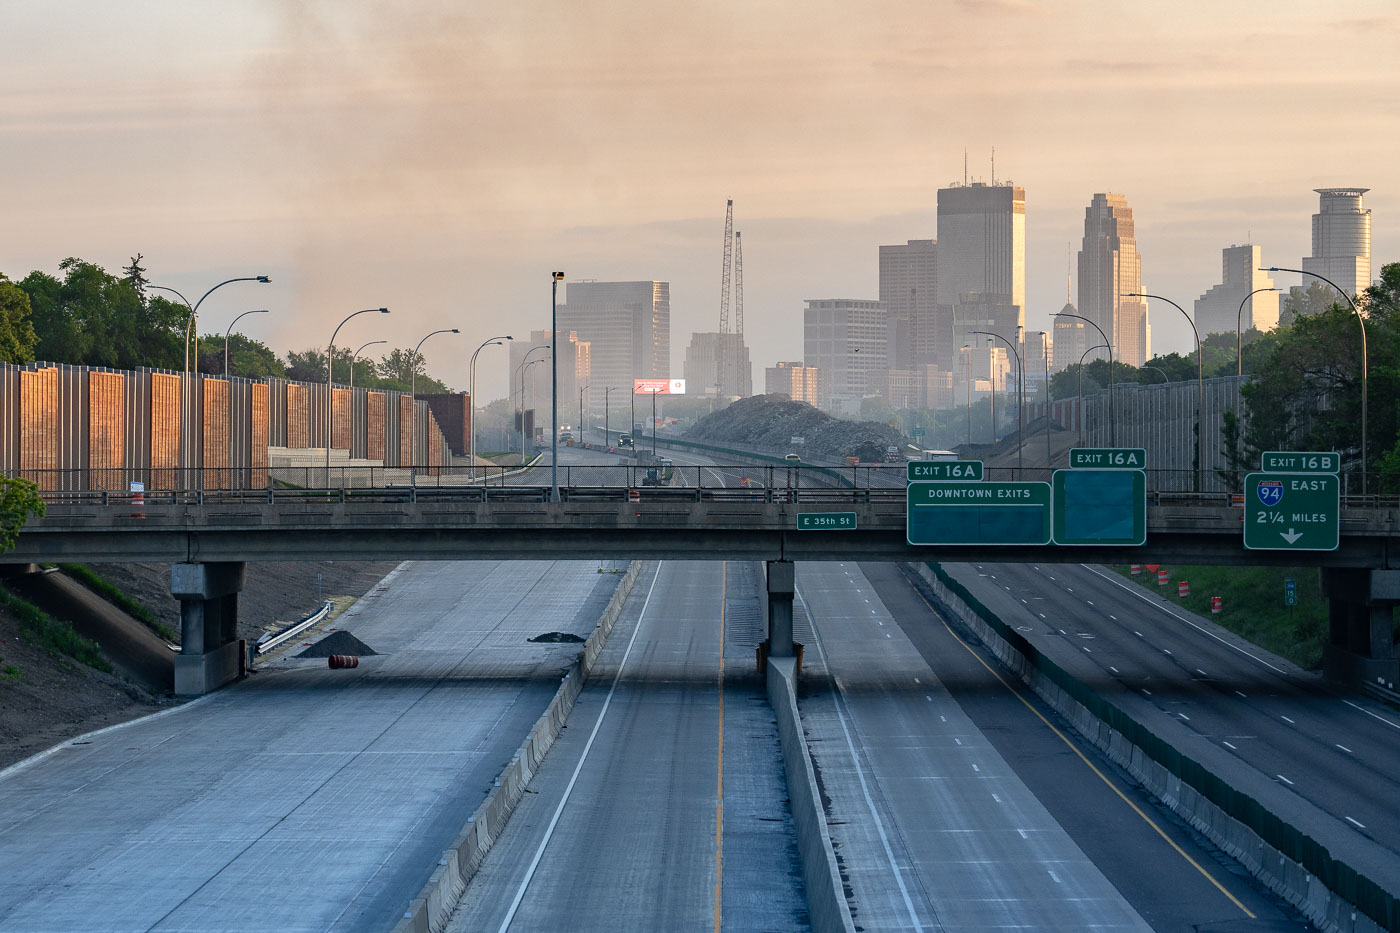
point(767, 423)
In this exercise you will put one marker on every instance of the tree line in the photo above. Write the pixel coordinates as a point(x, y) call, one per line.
point(89, 316)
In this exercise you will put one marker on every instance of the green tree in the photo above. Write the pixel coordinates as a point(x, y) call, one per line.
point(1300, 302)
point(396, 370)
point(246, 357)
point(19, 499)
point(17, 337)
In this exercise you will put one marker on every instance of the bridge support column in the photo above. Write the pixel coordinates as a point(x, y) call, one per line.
point(210, 654)
point(782, 585)
point(1361, 640)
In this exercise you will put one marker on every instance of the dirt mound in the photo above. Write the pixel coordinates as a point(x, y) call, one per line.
point(338, 643)
point(555, 638)
point(769, 422)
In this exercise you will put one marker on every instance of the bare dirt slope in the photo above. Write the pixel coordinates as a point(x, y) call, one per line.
point(45, 699)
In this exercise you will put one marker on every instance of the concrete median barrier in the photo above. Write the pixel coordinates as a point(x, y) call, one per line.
point(430, 911)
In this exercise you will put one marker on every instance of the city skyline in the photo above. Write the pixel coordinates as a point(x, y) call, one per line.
point(444, 164)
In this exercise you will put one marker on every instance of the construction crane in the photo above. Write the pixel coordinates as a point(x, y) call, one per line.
point(738, 285)
point(728, 258)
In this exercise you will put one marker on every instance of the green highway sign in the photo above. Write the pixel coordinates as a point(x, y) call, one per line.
point(918, 431)
point(963, 471)
point(1300, 461)
point(978, 513)
point(826, 521)
point(1108, 458)
point(1104, 507)
point(1291, 512)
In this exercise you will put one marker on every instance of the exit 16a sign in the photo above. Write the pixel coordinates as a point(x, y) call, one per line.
point(1108, 458)
point(958, 471)
point(1291, 512)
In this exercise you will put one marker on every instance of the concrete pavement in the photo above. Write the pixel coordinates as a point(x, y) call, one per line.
point(303, 798)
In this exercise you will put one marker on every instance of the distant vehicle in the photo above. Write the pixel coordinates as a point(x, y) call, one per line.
point(943, 455)
point(793, 458)
point(852, 461)
point(624, 440)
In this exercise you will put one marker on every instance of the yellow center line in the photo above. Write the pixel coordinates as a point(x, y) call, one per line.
point(1074, 748)
point(719, 780)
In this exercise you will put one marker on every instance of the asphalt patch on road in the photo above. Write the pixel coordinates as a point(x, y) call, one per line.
point(337, 643)
point(555, 638)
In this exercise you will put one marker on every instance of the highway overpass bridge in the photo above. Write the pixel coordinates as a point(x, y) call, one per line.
point(210, 536)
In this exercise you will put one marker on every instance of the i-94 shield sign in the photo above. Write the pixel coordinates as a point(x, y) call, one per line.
point(1270, 491)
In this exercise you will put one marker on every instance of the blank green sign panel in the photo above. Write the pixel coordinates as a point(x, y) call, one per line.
point(1100, 507)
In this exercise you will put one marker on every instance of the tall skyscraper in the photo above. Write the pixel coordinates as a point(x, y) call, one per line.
point(627, 324)
point(1341, 240)
point(908, 292)
point(1110, 267)
point(1219, 309)
point(798, 382)
point(847, 339)
point(981, 277)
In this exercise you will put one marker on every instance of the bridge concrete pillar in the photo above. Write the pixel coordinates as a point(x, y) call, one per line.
point(210, 652)
point(1361, 605)
point(782, 586)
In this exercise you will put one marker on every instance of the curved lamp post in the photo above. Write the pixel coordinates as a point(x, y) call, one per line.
point(1165, 377)
point(413, 403)
point(1239, 318)
point(1364, 364)
point(1200, 378)
point(524, 364)
point(357, 353)
point(230, 330)
point(1102, 346)
point(1021, 397)
point(330, 361)
point(555, 278)
point(1112, 403)
point(471, 397)
point(186, 435)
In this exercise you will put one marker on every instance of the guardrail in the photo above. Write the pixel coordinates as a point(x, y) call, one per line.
point(296, 628)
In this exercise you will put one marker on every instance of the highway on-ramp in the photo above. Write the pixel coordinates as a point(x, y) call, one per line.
point(303, 799)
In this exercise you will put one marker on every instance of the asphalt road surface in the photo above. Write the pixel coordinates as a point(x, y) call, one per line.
point(302, 798)
point(663, 805)
point(1340, 753)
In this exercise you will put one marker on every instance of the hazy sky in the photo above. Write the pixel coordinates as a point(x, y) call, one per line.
point(443, 158)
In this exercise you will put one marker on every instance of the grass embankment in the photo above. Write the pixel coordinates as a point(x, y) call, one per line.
point(52, 635)
point(88, 578)
point(1252, 605)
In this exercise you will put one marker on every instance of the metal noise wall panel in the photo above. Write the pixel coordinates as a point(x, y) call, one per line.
point(375, 427)
point(298, 432)
point(106, 430)
point(73, 425)
point(9, 418)
point(276, 412)
point(258, 423)
point(359, 424)
point(138, 425)
point(38, 428)
point(240, 437)
point(164, 459)
point(192, 441)
point(316, 397)
point(340, 419)
point(214, 432)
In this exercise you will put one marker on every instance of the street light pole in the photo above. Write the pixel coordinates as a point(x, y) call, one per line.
point(525, 362)
point(607, 434)
point(357, 353)
point(581, 390)
point(1365, 464)
point(1112, 403)
point(1045, 354)
point(330, 362)
point(229, 331)
point(1239, 318)
point(1165, 377)
point(554, 388)
point(413, 404)
point(1102, 346)
point(186, 433)
point(1200, 379)
point(1021, 398)
point(471, 399)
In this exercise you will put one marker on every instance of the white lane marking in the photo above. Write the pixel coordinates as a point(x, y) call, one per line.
point(1181, 618)
point(1048, 575)
point(887, 634)
point(1287, 720)
point(1241, 695)
point(1089, 601)
point(1345, 749)
point(996, 797)
point(1228, 745)
point(930, 699)
point(1285, 780)
point(882, 625)
point(1041, 614)
point(1087, 650)
point(1053, 875)
point(975, 768)
point(1070, 589)
point(1113, 617)
point(1372, 715)
point(957, 740)
point(1024, 603)
point(916, 680)
point(1201, 672)
point(1165, 651)
point(1354, 823)
point(1146, 691)
point(559, 810)
point(860, 775)
point(1112, 668)
point(1184, 716)
point(1138, 634)
point(1062, 631)
point(943, 718)
point(1023, 834)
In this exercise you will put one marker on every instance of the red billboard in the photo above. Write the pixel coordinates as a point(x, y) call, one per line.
point(658, 386)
